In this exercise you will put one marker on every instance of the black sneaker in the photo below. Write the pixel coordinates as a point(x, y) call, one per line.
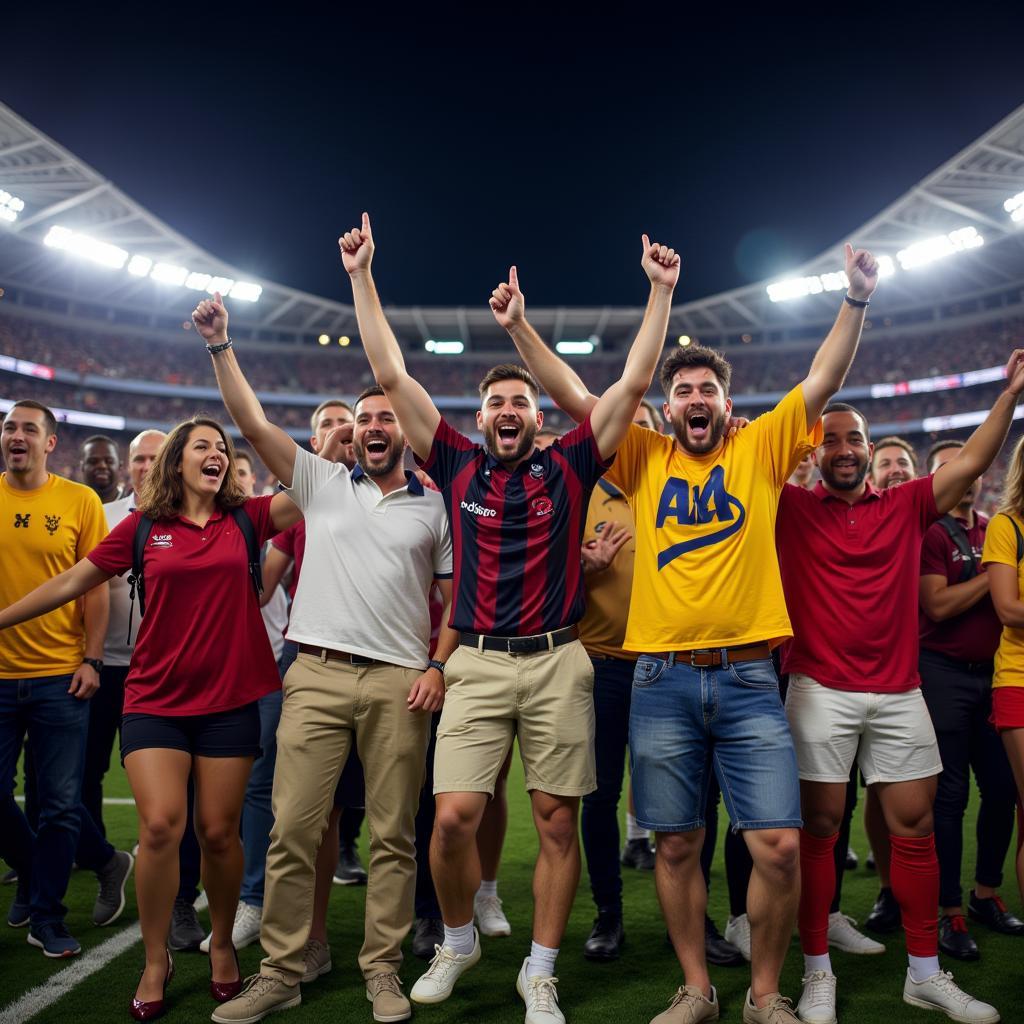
point(427, 934)
point(606, 937)
point(350, 870)
point(720, 951)
point(954, 938)
point(992, 913)
point(637, 854)
point(186, 932)
point(885, 914)
point(21, 906)
point(869, 860)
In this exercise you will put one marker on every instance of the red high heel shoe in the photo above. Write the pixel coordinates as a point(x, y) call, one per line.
point(222, 991)
point(150, 1011)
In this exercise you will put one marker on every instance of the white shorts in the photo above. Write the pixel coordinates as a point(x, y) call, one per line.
point(893, 732)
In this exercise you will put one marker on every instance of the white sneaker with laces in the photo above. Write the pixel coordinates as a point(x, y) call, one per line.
point(541, 997)
point(940, 992)
point(490, 918)
point(445, 969)
point(843, 935)
point(245, 930)
point(737, 931)
point(818, 999)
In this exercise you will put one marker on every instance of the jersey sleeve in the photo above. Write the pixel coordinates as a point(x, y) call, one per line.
point(309, 475)
point(630, 459)
point(784, 436)
point(935, 552)
point(113, 554)
point(93, 527)
point(258, 510)
point(285, 541)
point(449, 453)
point(1000, 542)
point(579, 448)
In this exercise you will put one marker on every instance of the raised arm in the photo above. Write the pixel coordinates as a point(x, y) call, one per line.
point(55, 592)
point(272, 444)
point(416, 412)
point(953, 477)
point(832, 360)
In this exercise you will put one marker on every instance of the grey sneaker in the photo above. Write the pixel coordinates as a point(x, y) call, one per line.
point(941, 992)
point(186, 932)
point(389, 1002)
point(113, 877)
point(689, 1006)
point(778, 1010)
point(316, 959)
point(261, 995)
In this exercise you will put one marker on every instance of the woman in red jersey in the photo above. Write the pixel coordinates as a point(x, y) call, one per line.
point(202, 659)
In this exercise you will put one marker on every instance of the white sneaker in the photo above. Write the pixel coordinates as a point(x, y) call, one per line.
point(540, 996)
point(490, 918)
point(940, 992)
point(246, 929)
point(436, 985)
point(818, 999)
point(737, 931)
point(843, 935)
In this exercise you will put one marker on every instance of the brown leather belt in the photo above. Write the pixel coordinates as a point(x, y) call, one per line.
point(329, 654)
point(711, 657)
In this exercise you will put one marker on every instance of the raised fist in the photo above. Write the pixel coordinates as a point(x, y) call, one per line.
point(357, 248)
point(660, 263)
point(862, 271)
point(211, 320)
point(507, 302)
point(1015, 372)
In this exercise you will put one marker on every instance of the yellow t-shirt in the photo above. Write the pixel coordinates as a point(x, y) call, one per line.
point(1001, 546)
point(42, 533)
point(705, 572)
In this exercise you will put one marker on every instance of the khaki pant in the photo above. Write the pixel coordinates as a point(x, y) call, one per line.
point(325, 704)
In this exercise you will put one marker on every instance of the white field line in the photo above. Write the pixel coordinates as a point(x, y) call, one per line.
point(42, 996)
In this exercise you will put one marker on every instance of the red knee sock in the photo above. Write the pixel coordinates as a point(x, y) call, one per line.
point(817, 887)
point(915, 886)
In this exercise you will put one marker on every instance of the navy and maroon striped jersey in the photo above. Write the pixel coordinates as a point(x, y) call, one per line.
point(516, 536)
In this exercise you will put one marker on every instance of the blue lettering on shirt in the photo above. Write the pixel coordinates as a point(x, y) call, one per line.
point(698, 507)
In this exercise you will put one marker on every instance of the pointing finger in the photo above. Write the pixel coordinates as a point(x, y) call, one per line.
point(513, 278)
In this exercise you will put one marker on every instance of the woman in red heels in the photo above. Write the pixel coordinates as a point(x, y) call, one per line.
point(202, 659)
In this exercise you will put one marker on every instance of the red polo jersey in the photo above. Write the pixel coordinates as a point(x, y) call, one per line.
point(201, 646)
point(292, 542)
point(851, 575)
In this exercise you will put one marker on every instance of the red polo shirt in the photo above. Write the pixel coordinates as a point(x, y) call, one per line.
point(201, 646)
point(292, 542)
point(851, 575)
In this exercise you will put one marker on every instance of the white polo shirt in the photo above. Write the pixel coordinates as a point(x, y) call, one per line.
point(369, 564)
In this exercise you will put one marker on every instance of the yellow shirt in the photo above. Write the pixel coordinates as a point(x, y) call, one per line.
point(1001, 546)
point(42, 533)
point(603, 626)
point(706, 573)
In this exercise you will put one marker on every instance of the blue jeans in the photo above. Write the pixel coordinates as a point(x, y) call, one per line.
point(686, 722)
point(57, 725)
point(613, 686)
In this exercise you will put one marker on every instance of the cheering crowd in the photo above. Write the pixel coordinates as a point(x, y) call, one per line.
point(614, 587)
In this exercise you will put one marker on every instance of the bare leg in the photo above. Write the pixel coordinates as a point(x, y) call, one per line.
point(454, 861)
point(1013, 740)
point(684, 900)
point(326, 859)
point(878, 836)
point(490, 838)
point(557, 872)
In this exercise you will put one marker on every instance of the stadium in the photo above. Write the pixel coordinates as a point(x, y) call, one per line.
point(95, 323)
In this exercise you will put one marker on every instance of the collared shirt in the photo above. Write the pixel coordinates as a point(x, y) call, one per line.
point(1001, 547)
point(972, 635)
point(706, 573)
point(43, 532)
point(201, 647)
point(852, 575)
point(292, 542)
point(372, 559)
point(118, 648)
point(603, 626)
point(516, 535)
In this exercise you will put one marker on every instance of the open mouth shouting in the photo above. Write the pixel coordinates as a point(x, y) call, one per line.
point(508, 434)
point(212, 472)
point(377, 446)
point(17, 452)
point(698, 422)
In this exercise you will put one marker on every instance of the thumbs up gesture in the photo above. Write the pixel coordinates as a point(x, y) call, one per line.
point(507, 302)
point(660, 263)
point(862, 271)
point(357, 248)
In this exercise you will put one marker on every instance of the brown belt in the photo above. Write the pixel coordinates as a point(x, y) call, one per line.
point(329, 654)
point(711, 657)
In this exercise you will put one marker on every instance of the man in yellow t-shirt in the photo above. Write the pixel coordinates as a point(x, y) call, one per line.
point(49, 668)
point(707, 607)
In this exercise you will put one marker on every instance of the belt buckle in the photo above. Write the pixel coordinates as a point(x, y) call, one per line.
point(521, 645)
point(700, 650)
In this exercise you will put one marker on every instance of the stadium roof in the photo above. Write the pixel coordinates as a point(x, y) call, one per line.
point(973, 194)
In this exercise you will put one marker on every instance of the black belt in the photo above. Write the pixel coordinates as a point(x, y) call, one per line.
point(329, 654)
point(520, 644)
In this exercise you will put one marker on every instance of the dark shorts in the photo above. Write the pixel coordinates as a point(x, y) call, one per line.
point(234, 733)
point(1007, 707)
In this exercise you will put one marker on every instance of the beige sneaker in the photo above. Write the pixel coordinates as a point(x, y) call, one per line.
point(316, 960)
point(778, 1010)
point(261, 995)
point(689, 1006)
point(389, 1002)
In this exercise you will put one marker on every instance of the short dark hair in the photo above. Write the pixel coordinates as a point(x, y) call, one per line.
point(695, 355)
point(941, 446)
point(892, 441)
point(48, 418)
point(326, 405)
point(99, 439)
point(241, 453)
point(655, 412)
point(373, 391)
point(844, 407)
point(509, 371)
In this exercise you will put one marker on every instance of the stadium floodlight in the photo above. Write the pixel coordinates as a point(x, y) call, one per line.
point(574, 348)
point(197, 282)
point(815, 284)
point(246, 291)
point(10, 206)
point(140, 266)
point(324, 339)
point(684, 340)
point(930, 249)
point(444, 348)
point(169, 273)
point(344, 341)
point(220, 284)
point(103, 253)
point(1014, 206)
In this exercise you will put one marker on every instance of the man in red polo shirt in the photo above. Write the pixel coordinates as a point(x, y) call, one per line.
point(850, 560)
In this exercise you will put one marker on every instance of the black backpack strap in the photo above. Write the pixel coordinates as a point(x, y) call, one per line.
point(958, 535)
point(252, 545)
point(143, 528)
point(1020, 537)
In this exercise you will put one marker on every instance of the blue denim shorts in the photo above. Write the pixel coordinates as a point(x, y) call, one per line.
point(686, 722)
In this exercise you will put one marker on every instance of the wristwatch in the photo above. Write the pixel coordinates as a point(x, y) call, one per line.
point(439, 665)
point(97, 663)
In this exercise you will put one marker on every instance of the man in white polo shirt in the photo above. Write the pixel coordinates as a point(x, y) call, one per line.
point(375, 543)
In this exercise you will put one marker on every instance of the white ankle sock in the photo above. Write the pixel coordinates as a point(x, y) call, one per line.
point(541, 962)
point(633, 830)
point(488, 888)
point(923, 967)
point(817, 963)
point(460, 939)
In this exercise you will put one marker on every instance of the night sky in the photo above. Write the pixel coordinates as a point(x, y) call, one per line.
point(749, 143)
